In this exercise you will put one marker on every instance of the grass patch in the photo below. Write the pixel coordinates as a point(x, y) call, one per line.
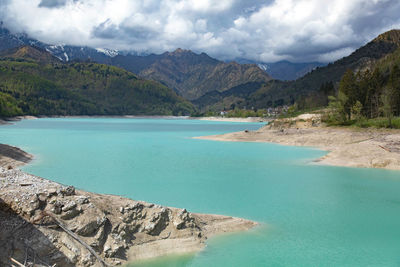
point(377, 123)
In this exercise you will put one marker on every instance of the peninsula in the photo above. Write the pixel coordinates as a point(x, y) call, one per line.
point(349, 147)
point(47, 223)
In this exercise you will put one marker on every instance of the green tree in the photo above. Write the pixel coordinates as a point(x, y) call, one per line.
point(356, 111)
point(394, 83)
point(388, 104)
point(375, 83)
point(348, 87)
point(337, 107)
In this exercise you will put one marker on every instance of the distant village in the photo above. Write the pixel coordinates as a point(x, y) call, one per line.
point(268, 113)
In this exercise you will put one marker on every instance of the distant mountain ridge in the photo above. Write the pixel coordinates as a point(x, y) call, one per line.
point(284, 70)
point(65, 53)
point(29, 53)
point(189, 74)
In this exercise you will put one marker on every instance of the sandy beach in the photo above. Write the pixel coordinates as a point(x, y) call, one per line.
point(349, 147)
point(57, 224)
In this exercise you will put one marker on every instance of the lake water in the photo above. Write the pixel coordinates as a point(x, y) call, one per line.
point(310, 215)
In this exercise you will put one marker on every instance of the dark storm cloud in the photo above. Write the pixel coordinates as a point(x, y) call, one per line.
point(52, 3)
point(264, 30)
point(106, 30)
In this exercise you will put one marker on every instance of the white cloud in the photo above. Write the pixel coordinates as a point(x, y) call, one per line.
point(333, 55)
point(269, 30)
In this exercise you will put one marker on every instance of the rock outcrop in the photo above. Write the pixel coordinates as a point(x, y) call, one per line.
point(49, 223)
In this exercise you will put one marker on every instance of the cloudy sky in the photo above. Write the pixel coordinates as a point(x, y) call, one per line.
point(261, 30)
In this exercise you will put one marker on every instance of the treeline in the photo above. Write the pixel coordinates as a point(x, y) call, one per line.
point(366, 95)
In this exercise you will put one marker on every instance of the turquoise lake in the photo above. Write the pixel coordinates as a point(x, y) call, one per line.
point(310, 215)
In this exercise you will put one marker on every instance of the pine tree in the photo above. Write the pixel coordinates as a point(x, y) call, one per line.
point(394, 83)
point(375, 85)
point(348, 87)
point(388, 103)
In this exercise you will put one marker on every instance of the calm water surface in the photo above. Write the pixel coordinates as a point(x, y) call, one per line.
point(310, 215)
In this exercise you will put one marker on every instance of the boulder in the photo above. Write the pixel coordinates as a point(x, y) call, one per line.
point(183, 220)
point(89, 225)
point(158, 222)
point(67, 191)
point(57, 207)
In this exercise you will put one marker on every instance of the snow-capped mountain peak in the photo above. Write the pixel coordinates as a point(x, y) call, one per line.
point(264, 67)
point(108, 52)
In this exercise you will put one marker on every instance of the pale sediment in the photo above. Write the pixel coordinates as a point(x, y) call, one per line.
point(226, 119)
point(49, 223)
point(367, 148)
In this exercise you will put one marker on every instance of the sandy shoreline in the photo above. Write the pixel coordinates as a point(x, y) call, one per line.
point(225, 119)
point(365, 148)
point(118, 229)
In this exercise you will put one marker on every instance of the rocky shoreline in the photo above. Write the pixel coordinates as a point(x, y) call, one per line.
point(348, 147)
point(47, 223)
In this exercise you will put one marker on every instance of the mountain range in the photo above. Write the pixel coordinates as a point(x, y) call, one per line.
point(277, 93)
point(208, 83)
point(191, 75)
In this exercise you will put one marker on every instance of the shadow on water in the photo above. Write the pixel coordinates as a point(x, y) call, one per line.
point(15, 153)
point(22, 241)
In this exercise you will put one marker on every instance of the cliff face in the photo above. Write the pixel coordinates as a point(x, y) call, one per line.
point(47, 223)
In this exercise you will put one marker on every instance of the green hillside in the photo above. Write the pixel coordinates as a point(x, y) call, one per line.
point(312, 90)
point(369, 94)
point(35, 83)
point(215, 101)
point(279, 93)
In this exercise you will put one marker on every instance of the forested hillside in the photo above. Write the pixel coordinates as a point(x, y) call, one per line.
point(368, 94)
point(35, 83)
